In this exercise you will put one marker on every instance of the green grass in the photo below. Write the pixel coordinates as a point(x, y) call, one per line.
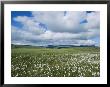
point(47, 62)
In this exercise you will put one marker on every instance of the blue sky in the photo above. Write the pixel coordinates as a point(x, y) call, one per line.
point(19, 13)
point(55, 27)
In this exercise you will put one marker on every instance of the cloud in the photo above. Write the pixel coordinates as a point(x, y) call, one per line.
point(57, 27)
point(93, 20)
point(29, 24)
point(57, 22)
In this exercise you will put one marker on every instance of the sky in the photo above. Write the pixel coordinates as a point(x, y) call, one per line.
point(42, 28)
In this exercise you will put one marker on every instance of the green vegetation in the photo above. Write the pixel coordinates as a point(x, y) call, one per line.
point(53, 62)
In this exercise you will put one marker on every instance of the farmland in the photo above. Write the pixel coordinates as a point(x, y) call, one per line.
point(53, 62)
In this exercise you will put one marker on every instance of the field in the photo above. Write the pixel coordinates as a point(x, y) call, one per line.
point(53, 62)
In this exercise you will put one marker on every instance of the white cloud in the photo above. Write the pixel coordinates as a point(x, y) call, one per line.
point(29, 24)
point(57, 22)
point(93, 20)
point(61, 29)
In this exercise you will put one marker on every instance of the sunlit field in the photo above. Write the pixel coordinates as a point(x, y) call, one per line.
point(53, 62)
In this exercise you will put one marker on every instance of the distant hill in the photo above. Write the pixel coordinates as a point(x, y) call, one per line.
point(24, 46)
point(68, 46)
point(50, 46)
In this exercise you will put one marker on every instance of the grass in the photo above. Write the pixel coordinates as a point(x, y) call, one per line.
point(52, 62)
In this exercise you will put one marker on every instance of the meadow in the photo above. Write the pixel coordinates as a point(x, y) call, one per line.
point(53, 62)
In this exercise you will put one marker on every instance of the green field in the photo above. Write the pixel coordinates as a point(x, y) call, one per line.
point(53, 62)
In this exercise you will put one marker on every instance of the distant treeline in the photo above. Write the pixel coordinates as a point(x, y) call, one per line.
point(50, 46)
point(22, 46)
point(68, 46)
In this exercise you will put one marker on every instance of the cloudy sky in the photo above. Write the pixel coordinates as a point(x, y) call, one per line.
point(55, 27)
